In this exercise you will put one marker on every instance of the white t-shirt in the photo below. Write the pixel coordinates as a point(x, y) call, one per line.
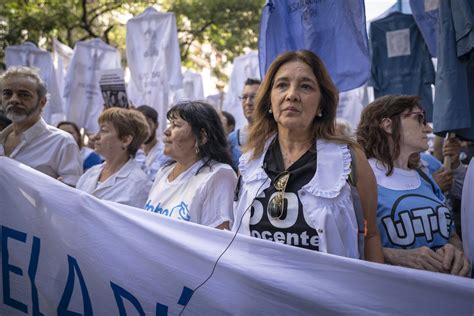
point(205, 197)
point(129, 185)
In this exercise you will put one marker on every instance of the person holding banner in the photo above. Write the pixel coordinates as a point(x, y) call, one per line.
point(120, 178)
point(294, 185)
point(198, 185)
point(415, 223)
point(29, 139)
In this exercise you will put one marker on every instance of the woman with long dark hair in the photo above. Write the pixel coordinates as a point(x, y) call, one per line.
point(198, 184)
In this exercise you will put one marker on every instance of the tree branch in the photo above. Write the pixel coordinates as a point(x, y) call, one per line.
point(85, 24)
point(106, 33)
point(107, 9)
point(193, 36)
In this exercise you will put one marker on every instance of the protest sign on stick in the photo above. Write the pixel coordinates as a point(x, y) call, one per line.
point(112, 87)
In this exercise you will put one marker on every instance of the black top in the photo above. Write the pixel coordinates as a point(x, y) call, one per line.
point(292, 229)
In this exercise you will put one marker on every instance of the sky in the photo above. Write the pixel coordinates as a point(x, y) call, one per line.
point(373, 8)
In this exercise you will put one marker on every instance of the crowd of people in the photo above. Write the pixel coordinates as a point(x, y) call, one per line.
point(293, 174)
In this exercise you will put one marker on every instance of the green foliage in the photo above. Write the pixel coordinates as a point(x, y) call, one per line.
point(228, 27)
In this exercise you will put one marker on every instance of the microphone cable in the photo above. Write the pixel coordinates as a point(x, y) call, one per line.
point(225, 250)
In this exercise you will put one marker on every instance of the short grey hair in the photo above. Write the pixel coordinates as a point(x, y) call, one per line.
point(29, 72)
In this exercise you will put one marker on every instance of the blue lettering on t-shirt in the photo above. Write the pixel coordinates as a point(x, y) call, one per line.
point(182, 209)
point(162, 211)
point(158, 209)
point(149, 206)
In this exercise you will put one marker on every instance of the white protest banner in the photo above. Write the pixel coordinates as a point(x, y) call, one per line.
point(192, 88)
point(64, 251)
point(62, 55)
point(84, 101)
point(154, 60)
point(244, 67)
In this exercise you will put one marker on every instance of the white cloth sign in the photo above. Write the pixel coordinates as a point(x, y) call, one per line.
point(192, 88)
point(216, 100)
point(351, 103)
point(244, 67)
point(28, 54)
point(154, 60)
point(62, 55)
point(84, 101)
point(64, 250)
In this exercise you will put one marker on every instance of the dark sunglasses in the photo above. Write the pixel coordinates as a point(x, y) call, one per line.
point(420, 116)
point(276, 206)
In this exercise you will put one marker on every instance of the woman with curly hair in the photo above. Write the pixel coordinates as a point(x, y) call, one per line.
point(415, 224)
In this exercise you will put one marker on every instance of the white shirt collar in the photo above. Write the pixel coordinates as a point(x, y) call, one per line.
point(399, 180)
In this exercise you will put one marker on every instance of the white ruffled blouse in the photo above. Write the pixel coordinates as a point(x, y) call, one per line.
point(326, 198)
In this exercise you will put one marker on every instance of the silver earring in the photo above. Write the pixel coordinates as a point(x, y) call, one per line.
point(270, 110)
point(320, 114)
point(196, 147)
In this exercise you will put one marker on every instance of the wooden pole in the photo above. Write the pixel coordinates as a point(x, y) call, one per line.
point(447, 159)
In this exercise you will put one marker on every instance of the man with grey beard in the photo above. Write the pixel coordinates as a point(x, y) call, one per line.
point(29, 139)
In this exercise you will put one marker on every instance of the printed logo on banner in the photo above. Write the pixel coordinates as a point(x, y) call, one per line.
point(151, 50)
point(398, 43)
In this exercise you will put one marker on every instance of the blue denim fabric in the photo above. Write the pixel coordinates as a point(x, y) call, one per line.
point(454, 98)
point(410, 74)
point(427, 22)
point(334, 30)
point(463, 21)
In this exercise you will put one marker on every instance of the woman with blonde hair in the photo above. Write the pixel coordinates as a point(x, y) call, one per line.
point(120, 178)
point(294, 172)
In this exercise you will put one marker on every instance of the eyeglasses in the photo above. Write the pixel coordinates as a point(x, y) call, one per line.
point(247, 97)
point(276, 206)
point(420, 116)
